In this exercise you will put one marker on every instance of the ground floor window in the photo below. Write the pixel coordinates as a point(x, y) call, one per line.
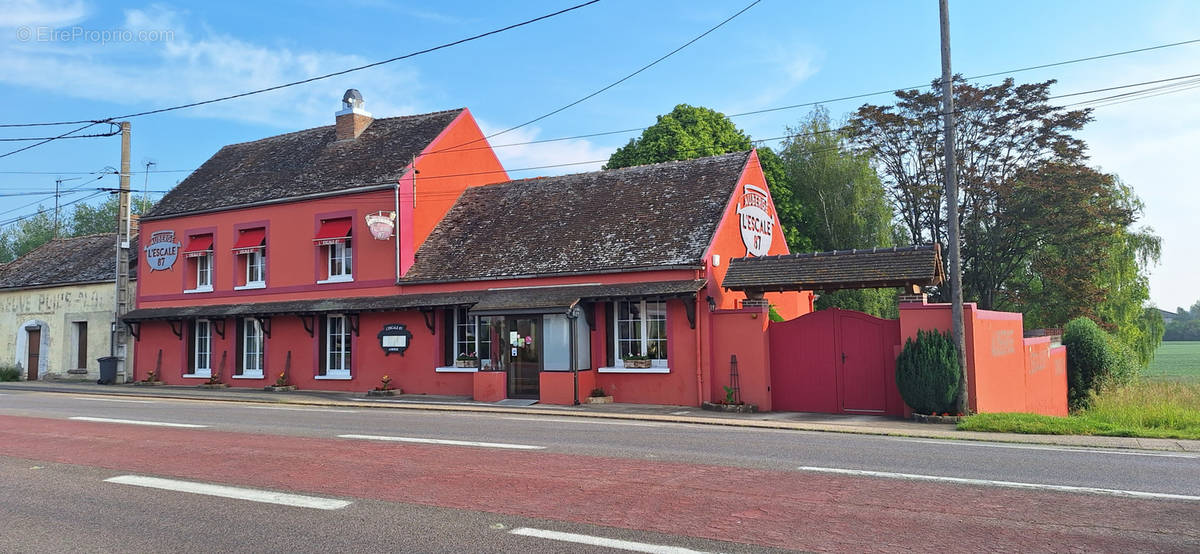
point(201, 347)
point(252, 348)
point(470, 336)
point(337, 347)
point(640, 331)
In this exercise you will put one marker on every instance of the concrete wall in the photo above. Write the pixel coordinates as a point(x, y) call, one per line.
point(55, 310)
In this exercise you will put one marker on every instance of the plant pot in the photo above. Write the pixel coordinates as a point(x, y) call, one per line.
point(734, 408)
point(147, 383)
point(285, 388)
point(637, 364)
point(213, 386)
point(377, 392)
point(599, 400)
point(466, 363)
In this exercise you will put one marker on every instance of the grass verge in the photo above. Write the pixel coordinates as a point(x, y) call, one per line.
point(1154, 409)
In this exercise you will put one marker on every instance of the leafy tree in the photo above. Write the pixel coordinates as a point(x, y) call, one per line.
point(102, 218)
point(840, 204)
point(85, 219)
point(26, 235)
point(1186, 325)
point(695, 132)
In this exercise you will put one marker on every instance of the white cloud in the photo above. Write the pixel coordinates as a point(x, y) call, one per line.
point(183, 66)
point(32, 13)
point(779, 69)
point(544, 154)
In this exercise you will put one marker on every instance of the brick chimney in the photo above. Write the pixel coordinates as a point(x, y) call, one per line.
point(352, 120)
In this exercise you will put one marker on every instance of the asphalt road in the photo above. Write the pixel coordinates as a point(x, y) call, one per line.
point(700, 487)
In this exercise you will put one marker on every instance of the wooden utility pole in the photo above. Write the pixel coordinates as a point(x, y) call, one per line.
point(122, 272)
point(956, 299)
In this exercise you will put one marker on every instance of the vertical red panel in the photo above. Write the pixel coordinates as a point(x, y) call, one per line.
point(803, 371)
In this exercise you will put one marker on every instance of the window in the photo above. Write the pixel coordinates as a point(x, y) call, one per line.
point(469, 335)
point(337, 347)
point(81, 354)
point(252, 348)
point(340, 256)
point(334, 238)
point(250, 249)
point(199, 253)
point(201, 365)
point(254, 268)
point(640, 329)
point(204, 272)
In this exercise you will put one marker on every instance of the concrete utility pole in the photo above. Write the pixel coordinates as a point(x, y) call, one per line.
point(956, 299)
point(122, 272)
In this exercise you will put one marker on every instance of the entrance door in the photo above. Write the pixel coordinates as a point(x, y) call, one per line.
point(523, 352)
point(35, 351)
point(863, 367)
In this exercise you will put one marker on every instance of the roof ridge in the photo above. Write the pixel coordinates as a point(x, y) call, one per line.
point(330, 126)
point(611, 171)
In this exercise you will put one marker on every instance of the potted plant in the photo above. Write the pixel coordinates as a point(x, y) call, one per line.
point(151, 379)
point(384, 389)
point(731, 403)
point(468, 359)
point(214, 381)
point(598, 397)
point(281, 383)
point(636, 361)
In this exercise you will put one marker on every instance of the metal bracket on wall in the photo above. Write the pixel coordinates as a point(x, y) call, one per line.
point(689, 306)
point(352, 320)
point(309, 321)
point(589, 315)
point(265, 324)
point(430, 320)
point(135, 329)
point(178, 330)
point(219, 326)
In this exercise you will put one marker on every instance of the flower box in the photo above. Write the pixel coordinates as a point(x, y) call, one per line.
point(637, 364)
point(285, 388)
point(466, 363)
point(213, 386)
point(379, 392)
point(599, 400)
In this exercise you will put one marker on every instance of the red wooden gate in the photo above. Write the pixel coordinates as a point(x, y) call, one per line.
point(835, 361)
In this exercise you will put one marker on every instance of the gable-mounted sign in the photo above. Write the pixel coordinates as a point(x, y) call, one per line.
point(394, 337)
point(755, 219)
point(162, 250)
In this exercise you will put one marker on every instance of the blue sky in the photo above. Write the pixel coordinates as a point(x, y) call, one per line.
point(780, 52)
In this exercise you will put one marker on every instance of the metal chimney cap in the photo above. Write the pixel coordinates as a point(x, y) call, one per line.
point(352, 98)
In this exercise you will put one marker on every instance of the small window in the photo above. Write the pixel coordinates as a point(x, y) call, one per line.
point(334, 238)
point(640, 329)
point(340, 260)
point(337, 347)
point(254, 268)
point(199, 253)
point(252, 348)
point(471, 336)
point(201, 348)
point(251, 251)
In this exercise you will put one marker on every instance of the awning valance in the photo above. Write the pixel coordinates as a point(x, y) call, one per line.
point(333, 231)
point(250, 240)
point(198, 245)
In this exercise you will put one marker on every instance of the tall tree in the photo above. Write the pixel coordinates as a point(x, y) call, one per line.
point(840, 203)
point(84, 219)
point(695, 132)
point(24, 236)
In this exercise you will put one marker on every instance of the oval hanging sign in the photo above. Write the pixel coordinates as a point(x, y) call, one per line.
point(162, 250)
point(755, 219)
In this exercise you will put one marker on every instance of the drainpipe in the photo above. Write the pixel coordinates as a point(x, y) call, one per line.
point(396, 197)
point(572, 316)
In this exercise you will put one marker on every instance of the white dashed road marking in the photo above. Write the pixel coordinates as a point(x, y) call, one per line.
point(254, 495)
point(137, 422)
point(601, 541)
point(443, 441)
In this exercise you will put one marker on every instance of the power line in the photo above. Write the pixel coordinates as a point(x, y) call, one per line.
point(36, 144)
point(45, 210)
point(317, 78)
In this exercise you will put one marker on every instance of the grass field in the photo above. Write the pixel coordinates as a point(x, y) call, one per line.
point(1176, 361)
point(1164, 403)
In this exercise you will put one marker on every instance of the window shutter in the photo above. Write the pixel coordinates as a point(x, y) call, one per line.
point(448, 337)
point(190, 337)
point(239, 347)
point(322, 346)
point(609, 314)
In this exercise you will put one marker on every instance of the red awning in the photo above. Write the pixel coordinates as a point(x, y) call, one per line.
point(333, 231)
point(198, 245)
point(250, 240)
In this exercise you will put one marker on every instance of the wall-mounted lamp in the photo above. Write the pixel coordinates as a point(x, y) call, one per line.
point(712, 303)
point(716, 260)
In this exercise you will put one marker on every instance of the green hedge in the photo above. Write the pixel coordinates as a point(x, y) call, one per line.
point(10, 373)
point(1090, 360)
point(927, 373)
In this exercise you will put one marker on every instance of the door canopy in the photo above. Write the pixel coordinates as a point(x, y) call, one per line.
point(903, 266)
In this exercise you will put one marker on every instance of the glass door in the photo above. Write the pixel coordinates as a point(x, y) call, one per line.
point(522, 351)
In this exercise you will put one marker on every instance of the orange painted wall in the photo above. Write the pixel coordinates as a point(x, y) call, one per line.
point(489, 386)
point(678, 388)
point(557, 386)
point(742, 333)
point(728, 244)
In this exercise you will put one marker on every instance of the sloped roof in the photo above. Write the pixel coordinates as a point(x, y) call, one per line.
point(86, 259)
point(839, 269)
point(649, 216)
point(305, 162)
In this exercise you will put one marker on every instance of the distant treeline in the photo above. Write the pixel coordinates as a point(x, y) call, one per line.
point(1186, 325)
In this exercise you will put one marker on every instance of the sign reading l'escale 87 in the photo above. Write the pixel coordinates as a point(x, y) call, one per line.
point(162, 250)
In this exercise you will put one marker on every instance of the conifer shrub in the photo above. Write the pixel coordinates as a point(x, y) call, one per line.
point(9, 372)
point(1090, 361)
point(927, 373)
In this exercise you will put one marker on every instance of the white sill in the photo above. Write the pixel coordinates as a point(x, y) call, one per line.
point(337, 279)
point(456, 369)
point(333, 377)
point(201, 289)
point(252, 376)
point(254, 285)
point(634, 370)
point(196, 376)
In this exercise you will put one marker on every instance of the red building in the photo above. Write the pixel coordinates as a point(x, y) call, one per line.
point(397, 247)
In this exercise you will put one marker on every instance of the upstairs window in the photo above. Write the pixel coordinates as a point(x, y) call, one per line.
point(252, 260)
point(334, 239)
point(199, 253)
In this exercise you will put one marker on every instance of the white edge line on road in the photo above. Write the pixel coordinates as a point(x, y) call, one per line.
point(137, 422)
point(254, 495)
point(443, 441)
point(1004, 484)
point(582, 421)
point(321, 410)
point(1083, 450)
point(118, 400)
point(601, 541)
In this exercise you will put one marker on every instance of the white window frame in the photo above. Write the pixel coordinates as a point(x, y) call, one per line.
point(199, 338)
point(341, 253)
point(459, 329)
point(256, 266)
point(344, 356)
point(252, 327)
point(655, 363)
point(204, 273)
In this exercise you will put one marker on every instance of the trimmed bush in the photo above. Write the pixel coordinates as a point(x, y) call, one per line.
point(10, 373)
point(1089, 361)
point(927, 373)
